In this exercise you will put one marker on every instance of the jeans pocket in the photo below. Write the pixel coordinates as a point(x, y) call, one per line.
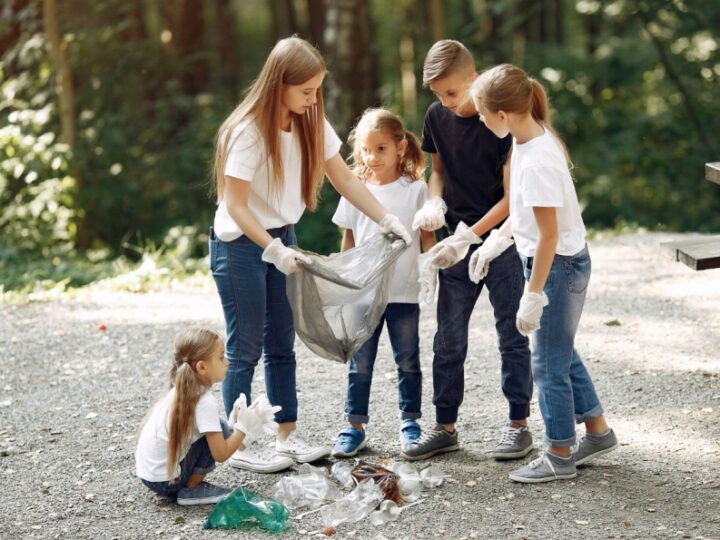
point(213, 250)
point(578, 273)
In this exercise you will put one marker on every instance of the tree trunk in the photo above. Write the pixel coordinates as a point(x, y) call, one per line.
point(225, 48)
point(559, 22)
point(316, 20)
point(186, 21)
point(284, 21)
point(66, 94)
point(351, 60)
point(437, 19)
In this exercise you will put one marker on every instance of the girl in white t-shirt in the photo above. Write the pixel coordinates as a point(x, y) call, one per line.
point(388, 158)
point(184, 435)
point(272, 153)
point(549, 233)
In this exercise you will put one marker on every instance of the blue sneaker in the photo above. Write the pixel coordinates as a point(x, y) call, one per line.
point(349, 442)
point(409, 433)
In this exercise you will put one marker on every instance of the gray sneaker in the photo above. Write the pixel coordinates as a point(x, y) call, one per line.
point(515, 442)
point(203, 493)
point(592, 446)
point(433, 441)
point(544, 469)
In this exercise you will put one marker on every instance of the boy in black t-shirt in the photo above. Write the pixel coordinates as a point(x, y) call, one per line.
point(468, 197)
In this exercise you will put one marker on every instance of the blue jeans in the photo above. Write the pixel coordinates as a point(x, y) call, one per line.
point(198, 460)
point(567, 393)
point(402, 323)
point(456, 299)
point(258, 320)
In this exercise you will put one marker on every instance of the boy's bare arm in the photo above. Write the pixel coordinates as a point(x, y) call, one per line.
point(436, 181)
point(427, 240)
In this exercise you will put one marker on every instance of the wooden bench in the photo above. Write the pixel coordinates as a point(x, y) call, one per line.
point(699, 253)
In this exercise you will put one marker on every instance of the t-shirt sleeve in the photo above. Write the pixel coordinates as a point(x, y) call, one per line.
point(207, 417)
point(541, 186)
point(344, 215)
point(245, 153)
point(332, 141)
point(428, 143)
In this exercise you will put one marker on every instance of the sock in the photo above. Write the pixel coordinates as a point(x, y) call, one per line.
point(558, 460)
point(595, 437)
point(515, 425)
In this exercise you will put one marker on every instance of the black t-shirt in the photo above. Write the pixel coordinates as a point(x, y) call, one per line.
point(472, 158)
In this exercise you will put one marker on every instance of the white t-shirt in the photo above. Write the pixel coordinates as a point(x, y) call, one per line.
point(246, 162)
point(403, 198)
point(539, 176)
point(152, 450)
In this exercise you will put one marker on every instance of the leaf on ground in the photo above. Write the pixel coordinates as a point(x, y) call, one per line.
point(613, 322)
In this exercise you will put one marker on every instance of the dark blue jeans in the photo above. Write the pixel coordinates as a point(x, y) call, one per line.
point(402, 323)
point(198, 460)
point(258, 321)
point(456, 299)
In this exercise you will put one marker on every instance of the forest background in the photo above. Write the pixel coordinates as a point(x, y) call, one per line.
point(109, 109)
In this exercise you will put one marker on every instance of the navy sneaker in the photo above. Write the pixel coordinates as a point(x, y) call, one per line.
point(203, 493)
point(409, 433)
point(349, 442)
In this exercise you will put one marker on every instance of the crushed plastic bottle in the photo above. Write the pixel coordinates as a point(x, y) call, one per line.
point(308, 488)
point(386, 512)
point(432, 476)
point(354, 506)
point(243, 509)
point(409, 480)
point(386, 480)
point(342, 472)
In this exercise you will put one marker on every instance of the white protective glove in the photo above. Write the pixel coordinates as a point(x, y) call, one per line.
point(284, 258)
point(493, 246)
point(431, 216)
point(262, 407)
point(455, 247)
point(246, 420)
point(428, 278)
point(530, 311)
point(391, 224)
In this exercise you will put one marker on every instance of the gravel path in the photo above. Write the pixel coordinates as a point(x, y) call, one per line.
point(72, 398)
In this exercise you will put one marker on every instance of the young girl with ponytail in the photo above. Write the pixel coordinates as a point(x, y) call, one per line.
point(184, 435)
point(388, 158)
point(549, 233)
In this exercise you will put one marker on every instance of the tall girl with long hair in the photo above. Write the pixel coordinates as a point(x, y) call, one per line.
point(272, 153)
point(549, 232)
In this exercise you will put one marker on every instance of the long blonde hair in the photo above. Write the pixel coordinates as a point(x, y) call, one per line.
point(292, 61)
point(411, 163)
point(508, 88)
point(191, 346)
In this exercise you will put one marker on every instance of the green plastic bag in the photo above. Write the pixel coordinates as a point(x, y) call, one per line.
point(243, 509)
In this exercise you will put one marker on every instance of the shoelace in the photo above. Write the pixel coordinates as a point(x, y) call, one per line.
point(534, 464)
point(428, 436)
point(264, 454)
point(508, 434)
point(294, 440)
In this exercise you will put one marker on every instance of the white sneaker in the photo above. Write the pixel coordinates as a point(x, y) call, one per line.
point(259, 459)
point(299, 449)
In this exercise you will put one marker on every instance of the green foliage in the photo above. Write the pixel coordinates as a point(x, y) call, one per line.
point(632, 83)
point(37, 191)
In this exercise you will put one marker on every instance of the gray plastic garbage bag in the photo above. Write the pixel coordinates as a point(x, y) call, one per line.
point(337, 300)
